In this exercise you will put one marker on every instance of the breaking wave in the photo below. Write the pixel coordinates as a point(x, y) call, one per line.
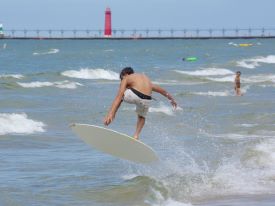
point(207, 72)
point(19, 124)
point(223, 79)
point(51, 51)
point(255, 62)
point(86, 73)
point(214, 94)
point(248, 79)
point(62, 84)
point(16, 76)
point(162, 108)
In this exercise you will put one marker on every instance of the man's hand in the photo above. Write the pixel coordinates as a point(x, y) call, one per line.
point(174, 104)
point(108, 119)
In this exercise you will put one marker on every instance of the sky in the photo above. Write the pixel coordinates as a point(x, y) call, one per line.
point(137, 14)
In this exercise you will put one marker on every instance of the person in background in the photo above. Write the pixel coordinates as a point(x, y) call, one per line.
point(238, 84)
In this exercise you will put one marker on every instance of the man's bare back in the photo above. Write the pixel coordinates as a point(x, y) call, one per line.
point(139, 82)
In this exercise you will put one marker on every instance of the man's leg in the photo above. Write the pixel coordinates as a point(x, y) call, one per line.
point(239, 92)
point(140, 124)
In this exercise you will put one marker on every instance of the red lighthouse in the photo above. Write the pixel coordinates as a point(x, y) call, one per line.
point(108, 23)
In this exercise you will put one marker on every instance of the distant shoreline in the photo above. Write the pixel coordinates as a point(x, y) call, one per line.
point(135, 38)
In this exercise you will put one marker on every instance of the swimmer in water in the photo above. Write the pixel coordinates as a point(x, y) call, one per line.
point(238, 84)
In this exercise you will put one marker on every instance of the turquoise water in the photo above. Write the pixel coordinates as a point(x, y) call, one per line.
point(215, 149)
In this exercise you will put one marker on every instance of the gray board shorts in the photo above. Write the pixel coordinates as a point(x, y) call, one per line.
point(141, 101)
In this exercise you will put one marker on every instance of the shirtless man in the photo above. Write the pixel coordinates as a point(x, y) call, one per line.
point(136, 89)
point(238, 83)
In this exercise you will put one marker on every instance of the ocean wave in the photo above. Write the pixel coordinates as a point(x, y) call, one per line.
point(4, 46)
point(233, 44)
point(109, 50)
point(265, 86)
point(62, 84)
point(158, 192)
point(247, 125)
point(260, 78)
point(175, 82)
point(247, 79)
point(162, 108)
point(16, 76)
point(19, 124)
point(160, 200)
point(51, 51)
point(255, 62)
point(263, 154)
point(207, 72)
point(86, 73)
point(230, 78)
point(214, 94)
point(240, 136)
point(250, 171)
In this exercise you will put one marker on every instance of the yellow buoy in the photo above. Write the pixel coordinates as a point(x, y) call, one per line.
point(245, 45)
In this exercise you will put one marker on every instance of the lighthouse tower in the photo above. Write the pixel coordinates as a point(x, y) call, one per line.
point(108, 23)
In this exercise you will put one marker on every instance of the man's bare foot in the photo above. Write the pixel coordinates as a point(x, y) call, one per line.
point(135, 137)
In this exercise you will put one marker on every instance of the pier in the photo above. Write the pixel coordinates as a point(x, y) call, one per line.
point(236, 33)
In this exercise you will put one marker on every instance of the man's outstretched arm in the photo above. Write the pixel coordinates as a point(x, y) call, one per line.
point(116, 103)
point(163, 92)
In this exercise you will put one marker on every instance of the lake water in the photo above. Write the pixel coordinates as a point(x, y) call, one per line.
point(215, 149)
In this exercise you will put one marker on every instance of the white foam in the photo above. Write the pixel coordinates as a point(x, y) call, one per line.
point(234, 136)
point(247, 79)
point(129, 176)
point(162, 108)
point(266, 154)
point(234, 44)
point(264, 86)
point(244, 89)
point(232, 178)
point(168, 202)
point(67, 84)
point(259, 78)
point(248, 125)
point(207, 72)
point(86, 73)
point(62, 84)
point(16, 76)
point(19, 124)
point(255, 62)
point(109, 50)
point(247, 64)
point(215, 94)
point(223, 79)
point(51, 51)
point(252, 172)
point(158, 199)
point(175, 82)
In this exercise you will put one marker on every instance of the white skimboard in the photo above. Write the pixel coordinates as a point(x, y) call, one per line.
point(115, 143)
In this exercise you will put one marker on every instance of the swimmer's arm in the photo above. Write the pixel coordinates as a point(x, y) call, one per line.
point(163, 92)
point(116, 103)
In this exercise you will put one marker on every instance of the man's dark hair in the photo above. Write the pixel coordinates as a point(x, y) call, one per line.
point(238, 72)
point(126, 70)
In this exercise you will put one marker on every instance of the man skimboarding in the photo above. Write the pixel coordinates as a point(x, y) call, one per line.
point(136, 89)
